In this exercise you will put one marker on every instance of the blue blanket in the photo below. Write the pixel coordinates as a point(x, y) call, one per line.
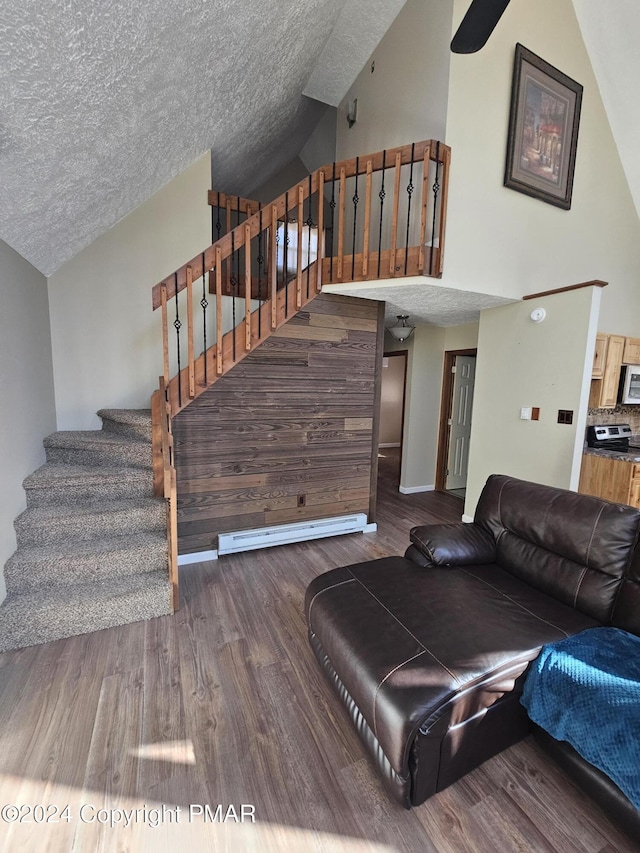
point(586, 690)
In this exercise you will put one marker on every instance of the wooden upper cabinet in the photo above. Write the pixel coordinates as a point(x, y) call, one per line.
point(607, 361)
point(611, 377)
point(600, 356)
point(631, 354)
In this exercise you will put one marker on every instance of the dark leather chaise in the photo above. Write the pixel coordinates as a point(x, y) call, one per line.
point(428, 652)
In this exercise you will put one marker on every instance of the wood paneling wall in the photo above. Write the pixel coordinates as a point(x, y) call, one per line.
point(291, 432)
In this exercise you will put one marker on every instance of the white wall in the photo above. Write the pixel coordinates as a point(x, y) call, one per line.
point(26, 379)
point(520, 364)
point(107, 344)
point(501, 241)
point(426, 348)
point(461, 337)
point(405, 99)
point(424, 383)
point(391, 400)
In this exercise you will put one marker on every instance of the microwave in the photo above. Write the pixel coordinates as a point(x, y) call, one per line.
point(629, 388)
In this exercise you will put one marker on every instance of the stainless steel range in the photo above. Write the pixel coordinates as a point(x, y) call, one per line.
point(610, 437)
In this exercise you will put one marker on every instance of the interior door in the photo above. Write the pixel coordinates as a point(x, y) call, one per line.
point(460, 432)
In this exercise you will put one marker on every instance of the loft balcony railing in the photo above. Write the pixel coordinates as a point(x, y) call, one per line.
point(380, 216)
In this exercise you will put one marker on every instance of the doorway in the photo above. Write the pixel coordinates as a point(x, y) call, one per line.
point(456, 410)
point(392, 401)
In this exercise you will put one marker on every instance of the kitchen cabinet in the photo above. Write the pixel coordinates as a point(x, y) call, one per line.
point(600, 356)
point(604, 391)
point(610, 478)
point(631, 353)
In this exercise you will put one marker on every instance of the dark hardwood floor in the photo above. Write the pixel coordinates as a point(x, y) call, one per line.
point(224, 703)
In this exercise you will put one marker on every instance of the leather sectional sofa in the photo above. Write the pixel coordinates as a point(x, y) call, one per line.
point(429, 652)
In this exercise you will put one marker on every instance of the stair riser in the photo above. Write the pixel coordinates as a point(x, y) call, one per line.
point(23, 576)
point(46, 623)
point(74, 495)
point(137, 456)
point(127, 430)
point(87, 528)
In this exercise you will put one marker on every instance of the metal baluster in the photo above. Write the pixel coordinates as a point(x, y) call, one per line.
point(410, 189)
point(309, 224)
point(237, 258)
point(233, 294)
point(355, 201)
point(203, 305)
point(436, 190)
point(260, 262)
point(285, 253)
point(177, 324)
point(332, 205)
point(381, 196)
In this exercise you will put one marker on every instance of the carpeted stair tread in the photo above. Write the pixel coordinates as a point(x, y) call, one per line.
point(92, 543)
point(30, 618)
point(58, 482)
point(47, 524)
point(127, 421)
point(72, 562)
point(83, 437)
point(97, 447)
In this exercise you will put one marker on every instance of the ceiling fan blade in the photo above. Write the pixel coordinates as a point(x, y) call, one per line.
point(477, 25)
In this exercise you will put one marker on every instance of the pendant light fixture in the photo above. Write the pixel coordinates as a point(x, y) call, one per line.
point(402, 330)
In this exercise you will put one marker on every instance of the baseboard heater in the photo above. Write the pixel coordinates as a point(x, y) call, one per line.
point(299, 531)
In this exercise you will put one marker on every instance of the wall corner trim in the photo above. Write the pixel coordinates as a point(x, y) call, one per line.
point(197, 557)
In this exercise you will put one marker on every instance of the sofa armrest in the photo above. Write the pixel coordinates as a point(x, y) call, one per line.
point(451, 545)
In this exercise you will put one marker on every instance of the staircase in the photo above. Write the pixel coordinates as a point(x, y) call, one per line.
point(380, 216)
point(98, 542)
point(92, 543)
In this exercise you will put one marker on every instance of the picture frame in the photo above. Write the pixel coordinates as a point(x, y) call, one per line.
point(543, 130)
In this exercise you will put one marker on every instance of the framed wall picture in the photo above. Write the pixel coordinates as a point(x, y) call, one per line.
point(543, 130)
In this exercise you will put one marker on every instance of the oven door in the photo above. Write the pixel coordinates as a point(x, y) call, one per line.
point(630, 386)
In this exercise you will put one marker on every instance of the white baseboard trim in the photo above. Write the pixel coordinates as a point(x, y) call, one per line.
point(468, 519)
point(197, 557)
point(391, 444)
point(412, 490)
point(370, 528)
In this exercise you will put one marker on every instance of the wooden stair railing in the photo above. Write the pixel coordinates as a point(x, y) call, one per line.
point(320, 232)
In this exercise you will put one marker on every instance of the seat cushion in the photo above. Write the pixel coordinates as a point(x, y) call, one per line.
point(405, 640)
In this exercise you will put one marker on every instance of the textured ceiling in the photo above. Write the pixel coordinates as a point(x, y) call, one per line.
point(102, 103)
point(354, 38)
point(424, 302)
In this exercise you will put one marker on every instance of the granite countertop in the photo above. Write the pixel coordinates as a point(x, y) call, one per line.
point(632, 455)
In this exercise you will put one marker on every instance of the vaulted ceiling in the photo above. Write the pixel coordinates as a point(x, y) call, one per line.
point(101, 104)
